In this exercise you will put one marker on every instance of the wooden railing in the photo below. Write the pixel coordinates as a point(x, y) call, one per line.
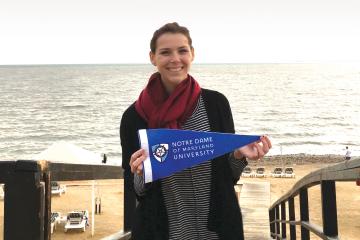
point(27, 202)
point(326, 178)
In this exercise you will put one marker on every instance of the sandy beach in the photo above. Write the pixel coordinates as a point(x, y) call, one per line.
point(78, 196)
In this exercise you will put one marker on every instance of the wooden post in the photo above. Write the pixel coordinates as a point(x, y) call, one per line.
point(24, 203)
point(304, 213)
point(329, 210)
point(292, 218)
point(47, 216)
point(129, 201)
point(283, 219)
point(271, 220)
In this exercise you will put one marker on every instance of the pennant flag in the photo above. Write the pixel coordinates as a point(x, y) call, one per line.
point(172, 150)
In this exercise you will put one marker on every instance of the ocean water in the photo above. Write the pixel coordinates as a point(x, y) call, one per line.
point(304, 108)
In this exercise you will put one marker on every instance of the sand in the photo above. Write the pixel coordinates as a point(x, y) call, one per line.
point(78, 196)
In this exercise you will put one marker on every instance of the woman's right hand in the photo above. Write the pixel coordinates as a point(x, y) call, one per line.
point(136, 160)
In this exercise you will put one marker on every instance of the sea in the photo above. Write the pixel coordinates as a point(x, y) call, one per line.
point(303, 108)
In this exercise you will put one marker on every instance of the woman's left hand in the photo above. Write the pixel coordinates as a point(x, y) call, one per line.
point(254, 151)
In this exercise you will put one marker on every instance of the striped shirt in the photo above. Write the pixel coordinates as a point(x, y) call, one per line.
point(187, 193)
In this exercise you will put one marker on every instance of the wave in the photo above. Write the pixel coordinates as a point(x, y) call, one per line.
point(77, 106)
point(302, 143)
point(298, 134)
point(327, 118)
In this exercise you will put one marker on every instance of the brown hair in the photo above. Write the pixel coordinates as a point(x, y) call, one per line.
point(169, 28)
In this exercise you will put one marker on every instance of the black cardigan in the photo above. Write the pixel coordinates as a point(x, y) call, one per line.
point(151, 221)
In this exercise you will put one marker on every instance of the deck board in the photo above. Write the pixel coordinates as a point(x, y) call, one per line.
point(255, 202)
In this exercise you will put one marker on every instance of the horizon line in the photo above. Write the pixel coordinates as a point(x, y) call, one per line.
point(200, 63)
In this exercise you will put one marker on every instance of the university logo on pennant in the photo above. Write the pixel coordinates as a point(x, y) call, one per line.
point(160, 151)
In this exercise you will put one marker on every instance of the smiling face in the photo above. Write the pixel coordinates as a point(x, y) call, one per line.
point(173, 57)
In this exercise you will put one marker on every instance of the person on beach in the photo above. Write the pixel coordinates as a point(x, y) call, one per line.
point(104, 158)
point(347, 153)
point(198, 202)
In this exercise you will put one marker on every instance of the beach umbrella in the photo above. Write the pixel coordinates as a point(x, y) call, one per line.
point(66, 152)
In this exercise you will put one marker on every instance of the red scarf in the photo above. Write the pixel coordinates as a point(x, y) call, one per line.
point(163, 111)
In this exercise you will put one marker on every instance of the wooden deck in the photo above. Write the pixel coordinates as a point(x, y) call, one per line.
point(254, 203)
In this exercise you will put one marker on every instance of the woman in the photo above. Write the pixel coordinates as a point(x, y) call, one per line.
point(199, 202)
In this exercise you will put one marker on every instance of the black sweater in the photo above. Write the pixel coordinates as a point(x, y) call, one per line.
point(150, 220)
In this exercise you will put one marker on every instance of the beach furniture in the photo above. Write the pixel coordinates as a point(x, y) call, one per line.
point(77, 220)
point(55, 219)
point(260, 172)
point(57, 189)
point(247, 172)
point(289, 172)
point(1, 191)
point(277, 173)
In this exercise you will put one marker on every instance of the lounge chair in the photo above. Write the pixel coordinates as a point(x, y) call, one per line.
point(260, 172)
point(55, 219)
point(77, 220)
point(247, 172)
point(277, 173)
point(289, 172)
point(56, 188)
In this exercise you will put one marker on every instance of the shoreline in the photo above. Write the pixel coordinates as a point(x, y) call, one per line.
point(298, 158)
point(289, 158)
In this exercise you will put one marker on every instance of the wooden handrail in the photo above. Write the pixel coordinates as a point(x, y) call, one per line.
point(326, 177)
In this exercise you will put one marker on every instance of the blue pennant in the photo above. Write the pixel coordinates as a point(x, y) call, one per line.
point(172, 150)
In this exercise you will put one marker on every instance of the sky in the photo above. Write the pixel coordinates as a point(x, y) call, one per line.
point(226, 31)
